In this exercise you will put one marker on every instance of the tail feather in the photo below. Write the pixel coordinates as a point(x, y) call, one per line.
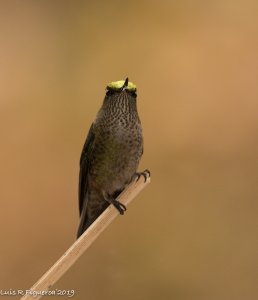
point(83, 221)
point(84, 224)
point(90, 211)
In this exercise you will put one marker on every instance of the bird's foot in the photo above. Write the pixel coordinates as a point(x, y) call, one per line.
point(146, 174)
point(118, 205)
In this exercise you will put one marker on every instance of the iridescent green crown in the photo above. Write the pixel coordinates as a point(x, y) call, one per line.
point(118, 85)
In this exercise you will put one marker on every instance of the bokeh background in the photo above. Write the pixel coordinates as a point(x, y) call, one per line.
point(192, 234)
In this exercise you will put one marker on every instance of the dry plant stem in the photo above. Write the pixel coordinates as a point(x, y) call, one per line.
point(85, 240)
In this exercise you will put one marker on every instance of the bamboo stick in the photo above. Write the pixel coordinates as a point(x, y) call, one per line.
point(83, 243)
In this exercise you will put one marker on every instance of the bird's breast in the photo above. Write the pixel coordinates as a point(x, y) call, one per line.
point(117, 152)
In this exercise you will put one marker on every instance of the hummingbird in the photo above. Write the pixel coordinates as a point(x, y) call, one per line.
point(111, 153)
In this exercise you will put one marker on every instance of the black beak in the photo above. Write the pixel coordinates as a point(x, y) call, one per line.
point(125, 84)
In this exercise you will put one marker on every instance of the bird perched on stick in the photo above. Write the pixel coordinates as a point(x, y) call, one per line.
point(111, 153)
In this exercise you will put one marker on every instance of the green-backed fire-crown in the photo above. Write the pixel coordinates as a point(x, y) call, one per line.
point(120, 84)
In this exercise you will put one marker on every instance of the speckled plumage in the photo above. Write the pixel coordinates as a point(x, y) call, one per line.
point(111, 154)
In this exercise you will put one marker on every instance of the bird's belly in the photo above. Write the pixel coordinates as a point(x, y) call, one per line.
point(115, 162)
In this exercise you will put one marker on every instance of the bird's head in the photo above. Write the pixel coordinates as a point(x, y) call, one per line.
point(117, 87)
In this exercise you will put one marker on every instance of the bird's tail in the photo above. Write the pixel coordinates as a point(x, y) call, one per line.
point(85, 221)
point(82, 227)
point(90, 212)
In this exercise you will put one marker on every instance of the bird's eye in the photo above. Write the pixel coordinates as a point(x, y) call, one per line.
point(109, 93)
point(134, 94)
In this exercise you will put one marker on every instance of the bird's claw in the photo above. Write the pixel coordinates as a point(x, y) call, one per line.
point(119, 206)
point(146, 174)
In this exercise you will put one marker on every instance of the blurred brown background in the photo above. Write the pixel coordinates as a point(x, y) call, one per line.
point(192, 233)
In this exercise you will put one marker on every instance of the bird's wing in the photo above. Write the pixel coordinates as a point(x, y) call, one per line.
point(84, 167)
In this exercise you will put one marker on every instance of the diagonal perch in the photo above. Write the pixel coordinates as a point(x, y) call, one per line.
point(85, 240)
